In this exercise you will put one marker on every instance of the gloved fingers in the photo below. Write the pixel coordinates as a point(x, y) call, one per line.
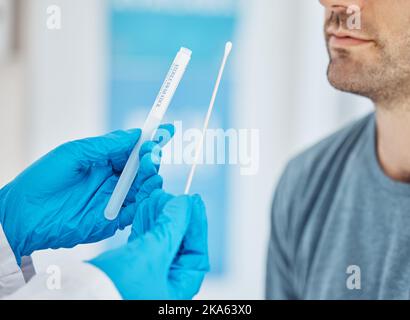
point(70, 161)
point(142, 217)
point(150, 154)
point(195, 243)
point(153, 149)
point(157, 201)
point(170, 228)
point(129, 210)
point(65, 169)
point(185, 284)
point(106, 189)
point(97, 181)
point(192, 262)
point(148, 147)
point(109, 149)
point(147, 213)
point(146, 170)
point(100, 201)
point(164, 134)
point(158, 206)
point(150, 157)
point(153, 183)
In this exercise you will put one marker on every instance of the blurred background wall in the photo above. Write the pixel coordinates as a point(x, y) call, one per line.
point(55, 86)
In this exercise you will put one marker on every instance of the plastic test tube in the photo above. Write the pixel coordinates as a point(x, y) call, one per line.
point(149, 129)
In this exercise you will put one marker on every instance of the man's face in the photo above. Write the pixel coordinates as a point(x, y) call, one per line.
point(374, 60)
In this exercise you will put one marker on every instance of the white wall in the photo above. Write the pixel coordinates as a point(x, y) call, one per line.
point(66, 73)
point(12, 144)
point(66, 96)
point(262, 82)
point(6, 29)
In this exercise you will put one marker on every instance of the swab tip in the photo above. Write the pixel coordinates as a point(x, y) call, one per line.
point(228, 47)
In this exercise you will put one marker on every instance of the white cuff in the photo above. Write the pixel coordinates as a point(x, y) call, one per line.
point(11, 276)
point(78, 281)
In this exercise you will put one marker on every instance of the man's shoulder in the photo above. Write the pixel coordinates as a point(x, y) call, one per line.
point(330, 153)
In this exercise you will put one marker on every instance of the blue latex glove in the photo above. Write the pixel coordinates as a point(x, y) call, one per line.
point(59, 201)
point(167, 253)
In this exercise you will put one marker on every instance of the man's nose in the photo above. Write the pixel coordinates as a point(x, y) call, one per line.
point(341, 4)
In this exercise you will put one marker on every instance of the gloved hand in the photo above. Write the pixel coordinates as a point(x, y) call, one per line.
point(59, 201)
point(167, 253)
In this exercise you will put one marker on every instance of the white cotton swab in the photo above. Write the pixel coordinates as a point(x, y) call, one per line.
point(200, 144)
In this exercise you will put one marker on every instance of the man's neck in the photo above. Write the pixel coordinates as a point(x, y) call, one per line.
point(393, 142)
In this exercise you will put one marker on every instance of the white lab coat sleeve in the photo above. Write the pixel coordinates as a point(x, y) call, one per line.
point(76, 281)
point(11, 276)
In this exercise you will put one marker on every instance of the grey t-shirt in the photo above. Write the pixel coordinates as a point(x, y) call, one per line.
point(340, 226)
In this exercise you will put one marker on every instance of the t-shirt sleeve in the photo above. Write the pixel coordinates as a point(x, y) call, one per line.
point(279, 272)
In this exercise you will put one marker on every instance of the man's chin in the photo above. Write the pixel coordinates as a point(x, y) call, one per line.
point(345, 77)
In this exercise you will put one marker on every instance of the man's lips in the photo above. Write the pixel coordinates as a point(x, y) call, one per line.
point(345, 40)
